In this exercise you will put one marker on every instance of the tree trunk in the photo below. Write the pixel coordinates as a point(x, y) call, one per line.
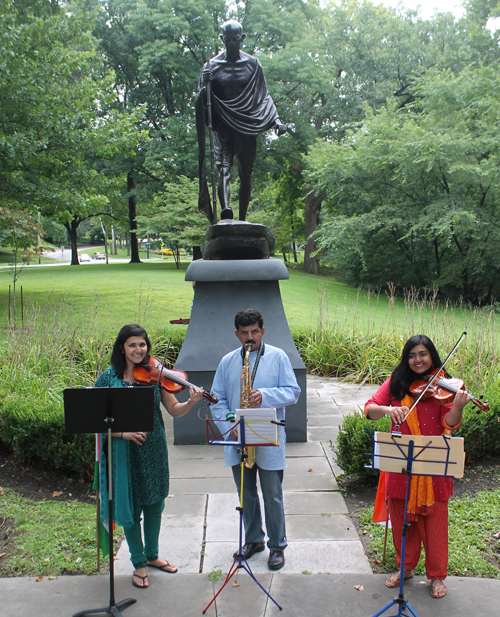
point(71, 228)
point(105, 234)
point(134, 246)
point(312, 208)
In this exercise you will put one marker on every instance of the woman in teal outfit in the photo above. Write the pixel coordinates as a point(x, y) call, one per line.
point(140, 460)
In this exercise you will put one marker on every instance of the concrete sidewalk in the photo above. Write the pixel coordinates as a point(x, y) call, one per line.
point(324, 560)
point(201, 525)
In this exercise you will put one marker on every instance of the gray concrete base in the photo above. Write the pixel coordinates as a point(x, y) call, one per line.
point(222, 289)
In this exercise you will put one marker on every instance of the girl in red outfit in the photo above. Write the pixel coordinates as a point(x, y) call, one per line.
point(428, 497)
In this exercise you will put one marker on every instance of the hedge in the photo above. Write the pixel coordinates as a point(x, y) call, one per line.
point(35, 433)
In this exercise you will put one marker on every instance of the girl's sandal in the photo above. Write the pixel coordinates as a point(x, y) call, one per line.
point(144, 579)
point(438, 588)
point(394, 578)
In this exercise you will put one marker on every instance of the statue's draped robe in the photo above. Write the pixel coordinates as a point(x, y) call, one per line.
point(250, 112)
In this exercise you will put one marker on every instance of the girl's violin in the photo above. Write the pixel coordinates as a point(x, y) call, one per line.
point(443, 388)
point(171, 380)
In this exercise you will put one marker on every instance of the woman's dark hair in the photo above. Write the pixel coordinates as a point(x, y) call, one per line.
point(402, 377)
point(117, 356)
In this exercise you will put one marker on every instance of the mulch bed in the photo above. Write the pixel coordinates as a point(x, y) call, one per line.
point(34, 482)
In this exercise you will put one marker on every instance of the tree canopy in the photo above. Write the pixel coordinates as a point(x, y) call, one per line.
point(57, 124)
point(413, 197)
point(389, 163)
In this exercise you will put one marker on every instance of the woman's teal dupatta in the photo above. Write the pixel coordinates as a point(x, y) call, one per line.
point(120, 455)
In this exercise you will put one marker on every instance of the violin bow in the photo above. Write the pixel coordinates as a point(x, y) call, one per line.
point(431, 380)
point(163, 365)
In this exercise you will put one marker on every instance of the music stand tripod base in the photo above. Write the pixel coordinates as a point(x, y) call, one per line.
point(108, 610)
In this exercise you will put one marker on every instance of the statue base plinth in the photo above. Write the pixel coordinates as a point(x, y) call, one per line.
point(224, 287)
point(230, 239)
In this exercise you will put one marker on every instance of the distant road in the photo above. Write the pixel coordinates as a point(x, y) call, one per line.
point(63, 258)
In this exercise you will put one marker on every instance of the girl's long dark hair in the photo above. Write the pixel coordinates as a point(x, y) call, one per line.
point(117, 356)
point(402, 377)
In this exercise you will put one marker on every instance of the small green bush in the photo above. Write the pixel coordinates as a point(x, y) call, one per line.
point(353, 442)
point(481, 430)
point(36, 433)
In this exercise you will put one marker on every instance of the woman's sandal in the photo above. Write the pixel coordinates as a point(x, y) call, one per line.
point(143, 579)
point(166, 567)
point(394, 578)
point(438, 592)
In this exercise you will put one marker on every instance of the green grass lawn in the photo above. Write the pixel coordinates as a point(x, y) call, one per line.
point(156, 290)
point(48, 538)
point(473, 525)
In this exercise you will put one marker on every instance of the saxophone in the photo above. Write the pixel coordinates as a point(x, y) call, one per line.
point(246, 390)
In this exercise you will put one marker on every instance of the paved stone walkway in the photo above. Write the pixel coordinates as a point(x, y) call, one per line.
point(200, 523)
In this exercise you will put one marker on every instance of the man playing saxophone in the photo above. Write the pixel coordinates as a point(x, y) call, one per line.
point(257, 375)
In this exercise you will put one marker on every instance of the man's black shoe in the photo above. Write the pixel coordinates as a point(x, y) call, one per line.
point(276, 560)
point(250, 548)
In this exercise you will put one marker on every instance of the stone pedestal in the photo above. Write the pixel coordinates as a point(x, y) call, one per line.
point(222, 289)
point(230, 239)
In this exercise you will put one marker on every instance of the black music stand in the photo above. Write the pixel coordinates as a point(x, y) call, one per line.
point(239, 558)
point(106, 410)
point(441, 460)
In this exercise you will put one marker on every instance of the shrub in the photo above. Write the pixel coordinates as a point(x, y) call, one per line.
point(481, 430)
point(35, 432)
point(353, 442)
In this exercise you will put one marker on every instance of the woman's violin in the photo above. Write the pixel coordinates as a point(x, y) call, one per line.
point(443, 388)
point(171, 380)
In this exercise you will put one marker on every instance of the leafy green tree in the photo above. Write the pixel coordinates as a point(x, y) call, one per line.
point(413, 197)
point(175, 217)
point(56, 123)
point(280, 206)
point(156, 50)
point(21, 231)
point(335, 64)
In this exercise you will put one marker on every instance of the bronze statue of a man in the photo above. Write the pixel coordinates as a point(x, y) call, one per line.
point(241, 109)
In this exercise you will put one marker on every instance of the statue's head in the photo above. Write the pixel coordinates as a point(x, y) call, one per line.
point(232, 34)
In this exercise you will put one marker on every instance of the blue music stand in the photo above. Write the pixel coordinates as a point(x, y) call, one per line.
point(240, 561)
point(411, 457)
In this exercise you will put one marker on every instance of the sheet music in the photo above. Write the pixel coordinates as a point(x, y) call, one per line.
point(259, 427)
